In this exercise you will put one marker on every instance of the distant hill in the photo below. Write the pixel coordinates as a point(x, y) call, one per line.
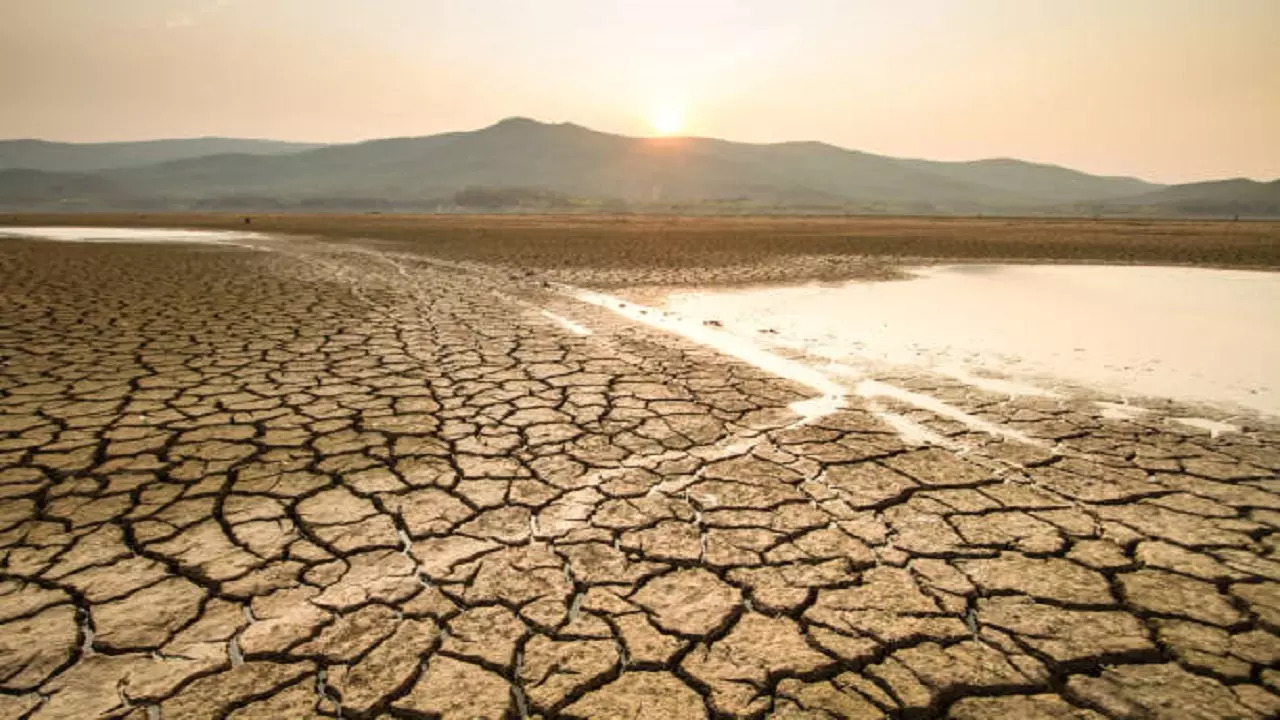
point(1239, 196)
point(522, 164)
point(1048, 183)
point(565, 159)
point(578, 162)
point(89, 157)
point(38, 188)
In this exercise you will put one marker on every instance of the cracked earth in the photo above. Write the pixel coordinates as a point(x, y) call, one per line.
point(324, 481)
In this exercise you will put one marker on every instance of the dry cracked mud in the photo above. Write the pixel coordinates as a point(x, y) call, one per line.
point(322, 481)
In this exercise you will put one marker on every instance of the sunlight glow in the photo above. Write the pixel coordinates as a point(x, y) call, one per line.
point(668, 121)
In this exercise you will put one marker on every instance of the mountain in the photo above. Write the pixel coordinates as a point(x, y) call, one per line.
point(1239, 196)
point(89, 157)
point(525, 164)
point(38, 188)
point(566, 159)
point(1049, 183)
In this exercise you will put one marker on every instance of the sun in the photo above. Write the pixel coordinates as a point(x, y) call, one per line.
point(668, 121)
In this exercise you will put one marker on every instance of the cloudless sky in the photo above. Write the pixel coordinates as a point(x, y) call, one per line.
point(1168, 90)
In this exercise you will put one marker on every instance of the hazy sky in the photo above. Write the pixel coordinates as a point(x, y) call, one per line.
point(1169, 90)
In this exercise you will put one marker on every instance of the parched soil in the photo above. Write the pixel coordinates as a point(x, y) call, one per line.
point(319, 480)
point(624, 250)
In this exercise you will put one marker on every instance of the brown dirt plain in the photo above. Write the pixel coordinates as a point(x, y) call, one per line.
point(628, 250)
point(327, 479)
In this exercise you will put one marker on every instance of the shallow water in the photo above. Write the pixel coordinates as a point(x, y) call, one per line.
point(130, 235)
point(1188, 334)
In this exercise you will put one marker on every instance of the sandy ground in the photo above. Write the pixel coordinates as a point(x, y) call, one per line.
point(323, 479)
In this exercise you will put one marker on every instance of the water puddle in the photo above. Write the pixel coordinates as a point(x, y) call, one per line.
point(1189, 334)
point(1120, 411)
point(132, 235)
point(564, 322)
point(1213, 427)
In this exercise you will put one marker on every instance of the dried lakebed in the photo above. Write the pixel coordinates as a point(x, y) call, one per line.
point(313, 479)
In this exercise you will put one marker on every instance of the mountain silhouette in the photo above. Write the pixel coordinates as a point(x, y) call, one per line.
point(525, 164)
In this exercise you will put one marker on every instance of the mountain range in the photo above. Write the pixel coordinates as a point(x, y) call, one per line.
point(523, 164)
